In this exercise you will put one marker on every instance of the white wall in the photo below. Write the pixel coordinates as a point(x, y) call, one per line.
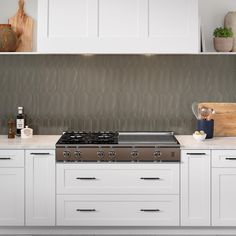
point(8, 8)
point(212, 13)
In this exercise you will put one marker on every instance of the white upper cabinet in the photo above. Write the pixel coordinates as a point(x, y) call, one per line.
point(118, 26)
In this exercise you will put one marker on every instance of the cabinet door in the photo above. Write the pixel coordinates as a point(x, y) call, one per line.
point(173, 26)
point(223, 197)
point(195, 188)
point(118, 26)
point(67, 25)
point(40, 188)
point(12, 196)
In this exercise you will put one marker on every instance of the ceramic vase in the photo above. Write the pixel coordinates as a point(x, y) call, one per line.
point(230, 22)
point(8, 38)
point(223, 44)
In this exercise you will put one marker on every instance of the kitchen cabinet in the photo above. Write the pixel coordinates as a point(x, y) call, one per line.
point(118, 210)
point(118, 178)
point(12, 188)
point(118, 26)
point(223, 187)
point(40, 187)
point(117, 194)
point(195, 188)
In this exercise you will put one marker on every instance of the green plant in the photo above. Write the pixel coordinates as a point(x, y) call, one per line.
point(223, 32)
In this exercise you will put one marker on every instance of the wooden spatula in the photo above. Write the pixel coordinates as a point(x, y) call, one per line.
point(23, 24)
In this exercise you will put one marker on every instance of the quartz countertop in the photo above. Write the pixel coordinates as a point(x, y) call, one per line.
point(37, 142)
point(49, 142)
point(188, 142)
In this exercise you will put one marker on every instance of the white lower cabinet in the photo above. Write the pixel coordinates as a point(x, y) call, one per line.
point(11, 196)
point(223, 187)
point(120, 194)
point(12, 187)
point(40, 187)
point(223, 197)
point(195, 188)
point(118, 210)
point(118, 178)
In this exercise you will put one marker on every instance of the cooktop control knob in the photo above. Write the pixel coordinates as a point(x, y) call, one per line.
point(100, 155)
point(66, 155)
point(112, 155)
point(134, 155)
point(78, 155)
point(157, 154)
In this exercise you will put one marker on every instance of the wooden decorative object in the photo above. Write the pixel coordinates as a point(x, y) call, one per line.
point(23, 24)
point(8, 38)
point(224, 117)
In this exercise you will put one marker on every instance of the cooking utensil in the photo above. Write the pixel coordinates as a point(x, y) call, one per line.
point(195, 109)
point(205, 112)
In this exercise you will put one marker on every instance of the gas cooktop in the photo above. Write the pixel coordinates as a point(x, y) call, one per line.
point(118, 147)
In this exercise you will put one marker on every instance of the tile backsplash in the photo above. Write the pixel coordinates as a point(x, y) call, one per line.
point(140, 93)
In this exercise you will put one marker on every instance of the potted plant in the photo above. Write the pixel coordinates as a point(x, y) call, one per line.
point(223, 39)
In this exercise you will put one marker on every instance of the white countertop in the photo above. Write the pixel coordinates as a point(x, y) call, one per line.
point(37, 142)
point(49, 142)
point(188, 142)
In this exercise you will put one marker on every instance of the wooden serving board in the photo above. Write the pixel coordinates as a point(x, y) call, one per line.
point(224, 118)
point(22, 24)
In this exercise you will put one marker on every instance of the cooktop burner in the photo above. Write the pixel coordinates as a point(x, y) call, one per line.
point(89, 138)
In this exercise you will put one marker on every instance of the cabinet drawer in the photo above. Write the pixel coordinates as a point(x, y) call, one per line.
point(113, 210)
point(117, 178)
point(224, 158)
point(11, 158)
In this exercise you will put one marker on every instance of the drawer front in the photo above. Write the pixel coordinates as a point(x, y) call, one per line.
point(224, 158)
point(104, 210)
point(12, 158)
point(117, 178)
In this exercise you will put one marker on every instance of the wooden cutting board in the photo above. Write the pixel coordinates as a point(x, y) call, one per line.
point(23, 24)
point(224, 118)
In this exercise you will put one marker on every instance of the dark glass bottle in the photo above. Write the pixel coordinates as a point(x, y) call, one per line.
point(20, 121)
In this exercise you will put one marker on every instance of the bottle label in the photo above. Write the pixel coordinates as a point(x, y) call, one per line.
point(20, 123)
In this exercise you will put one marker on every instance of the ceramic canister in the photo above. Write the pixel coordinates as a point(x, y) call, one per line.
point(230, 22)
point(8, 38)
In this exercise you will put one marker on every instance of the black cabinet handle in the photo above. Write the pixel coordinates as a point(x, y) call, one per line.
point(196, 154)
point(86, 178)
point(40, 153)
point(151, 178)
point(230, 158)
point(5, 158)
point(150, 210)
point(86, 210)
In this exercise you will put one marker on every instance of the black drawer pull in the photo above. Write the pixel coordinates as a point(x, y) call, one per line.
point(40, 153)
point(5, 158)
point(231, 158)
point(150, 210)
point(196, 154)
point(86, 178)
point(151, 178)
point(86, 210)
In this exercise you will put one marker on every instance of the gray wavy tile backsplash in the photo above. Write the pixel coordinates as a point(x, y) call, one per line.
point(112, 92)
